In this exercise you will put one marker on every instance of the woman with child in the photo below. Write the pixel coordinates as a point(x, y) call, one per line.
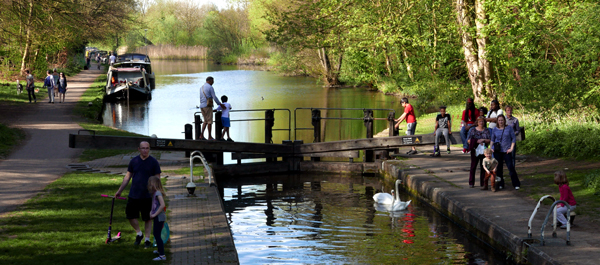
point(503, 144)
point(479, 135)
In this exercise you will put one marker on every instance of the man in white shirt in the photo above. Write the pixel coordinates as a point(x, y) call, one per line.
point(207, 95)
point(112, 59)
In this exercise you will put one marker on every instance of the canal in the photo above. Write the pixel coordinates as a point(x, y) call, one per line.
point(301, 218)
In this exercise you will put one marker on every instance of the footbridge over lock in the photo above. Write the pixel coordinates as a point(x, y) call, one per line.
point(288, 156)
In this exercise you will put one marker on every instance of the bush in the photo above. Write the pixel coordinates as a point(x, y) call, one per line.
point(566, 139)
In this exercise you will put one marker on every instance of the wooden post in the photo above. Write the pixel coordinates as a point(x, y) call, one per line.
point(188, 136)
point(316, 123)
point(368, 121)
point(197, 125)
point(269, 123)
point(392, 129)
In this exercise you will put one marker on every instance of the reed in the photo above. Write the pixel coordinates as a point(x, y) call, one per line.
point(170, 52)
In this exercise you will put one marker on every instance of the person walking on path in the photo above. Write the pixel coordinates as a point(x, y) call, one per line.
point(207, 96)
point(112, 59)
point(560, 179)
point(477, 136)
point(56, 77)
point(49, 83)
point(158, 215)
point(411, 121)
point(469, 116)
point(140, 169)
point(503, 143)
point(443, 125)
point(30, 86)
point(62, 87)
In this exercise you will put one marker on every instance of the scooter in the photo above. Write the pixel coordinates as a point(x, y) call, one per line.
point(110, 239)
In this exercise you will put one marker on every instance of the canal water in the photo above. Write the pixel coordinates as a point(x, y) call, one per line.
point(308, 218)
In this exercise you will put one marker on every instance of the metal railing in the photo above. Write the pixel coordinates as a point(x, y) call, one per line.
point(535, 212)
point(289, 129)
point(335, 118)
point(553, 207)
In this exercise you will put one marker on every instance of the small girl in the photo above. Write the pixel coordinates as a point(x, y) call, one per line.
point(560, 179)
point(489, 165)
point(158, 204)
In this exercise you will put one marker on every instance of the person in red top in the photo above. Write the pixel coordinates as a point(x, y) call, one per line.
point(469, 116)
point(411, 121)
point(560, 179)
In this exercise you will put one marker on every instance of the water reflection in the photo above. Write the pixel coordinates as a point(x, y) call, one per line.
point(324, 219)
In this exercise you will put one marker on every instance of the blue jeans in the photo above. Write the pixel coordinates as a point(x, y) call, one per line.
point(463, 136)
point(158, 226)
point(504, 157)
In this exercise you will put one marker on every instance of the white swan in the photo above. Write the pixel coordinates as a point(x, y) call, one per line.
point(396, 203)
point(384, 198)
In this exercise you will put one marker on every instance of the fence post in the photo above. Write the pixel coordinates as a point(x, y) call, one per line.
point(316, 123)
point(392, 129)
point(368, 121)
point(269, 123)
point(188, 136)
point(197, 125)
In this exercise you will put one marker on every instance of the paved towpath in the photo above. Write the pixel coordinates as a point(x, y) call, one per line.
point(44, 154)
point(502, 215)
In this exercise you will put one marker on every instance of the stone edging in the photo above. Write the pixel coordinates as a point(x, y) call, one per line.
point(498, 237)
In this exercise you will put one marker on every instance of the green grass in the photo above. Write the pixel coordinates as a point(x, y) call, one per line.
point(9, 137)
point(588, 198)
point(67, 223)
point(95, 94)
point(9, 93)
point(426, 122)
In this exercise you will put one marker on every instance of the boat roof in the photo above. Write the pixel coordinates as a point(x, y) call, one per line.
point(133, 57)
point(128, 69)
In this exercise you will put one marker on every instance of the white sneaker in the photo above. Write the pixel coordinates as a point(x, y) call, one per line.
point(516, 188)
point(159, 258)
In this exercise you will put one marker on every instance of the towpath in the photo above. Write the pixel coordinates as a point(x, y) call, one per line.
point(199, 230)
point(503, 215)
point(42, 157)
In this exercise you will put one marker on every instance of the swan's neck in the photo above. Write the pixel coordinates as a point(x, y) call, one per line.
point(397, 197)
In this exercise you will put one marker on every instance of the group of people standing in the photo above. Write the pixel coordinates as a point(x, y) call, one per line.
point(496, 130)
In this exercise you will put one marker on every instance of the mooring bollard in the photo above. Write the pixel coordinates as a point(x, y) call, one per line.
point(368, 121)
point(188, 136)
point(316, 123)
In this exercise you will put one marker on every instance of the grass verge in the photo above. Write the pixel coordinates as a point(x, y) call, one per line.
point(67, 223)
point(94, 94)
point(588, 198)
point(9, 137)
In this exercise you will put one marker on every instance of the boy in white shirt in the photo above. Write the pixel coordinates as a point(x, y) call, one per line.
point(225, 118)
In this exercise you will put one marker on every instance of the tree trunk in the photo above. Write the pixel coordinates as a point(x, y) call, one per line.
point(408, 67)
point(331, 75)
point(464, 24)
point(484, 64)
point(28, 38)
